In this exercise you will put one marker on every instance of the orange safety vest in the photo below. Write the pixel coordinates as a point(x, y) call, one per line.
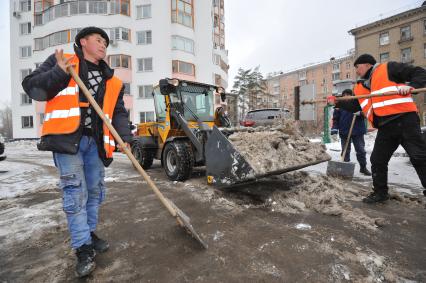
point(62, 113)
point(383, 105)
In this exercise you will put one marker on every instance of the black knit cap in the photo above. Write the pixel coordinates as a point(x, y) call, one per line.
point(91, 30)
point(365, 59)
point(347, 91)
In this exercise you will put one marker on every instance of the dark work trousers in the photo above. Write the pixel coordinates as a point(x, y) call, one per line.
point(404, 131)
point(359, 145)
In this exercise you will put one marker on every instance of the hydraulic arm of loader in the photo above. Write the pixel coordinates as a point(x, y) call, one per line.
point(178, 116)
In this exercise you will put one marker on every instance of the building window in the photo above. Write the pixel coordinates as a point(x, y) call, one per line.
point(96, 7)
point(384, 57)
point(120, 7)
point(336, 67)
point(24, 73)
point(406, 55)
point(384, 38)
point(25, 99)
point(27, 122)
point(183, 68)
point(182, 12)
point(41, 115)
point(145, 65)
point(119, 61)
point(57, 38)
point(144, 37)
point(336, 76)
point(143, 12)
point(25, 28)
point(405, 33)
point(25, 5)
point(126, 90)
point(146, 117)
point(424, 26)
point(25, 51)
point(348, 75)
point(183, 43)
point(145, 91)
point(348, 65)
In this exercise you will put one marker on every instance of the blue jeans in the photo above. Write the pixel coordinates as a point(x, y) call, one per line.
point(359, 145)
point(83, 189)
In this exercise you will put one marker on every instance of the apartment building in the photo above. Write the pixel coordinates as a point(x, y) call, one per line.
point(401, 38)
point(150, 40)
point(325, 77)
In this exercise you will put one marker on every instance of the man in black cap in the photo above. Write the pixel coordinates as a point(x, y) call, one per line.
point(81, 145)
point(395, 116)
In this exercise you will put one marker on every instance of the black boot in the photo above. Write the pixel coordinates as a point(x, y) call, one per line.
point(85, 260)
point(376, 197)
point(365, 171)
point(99, 244)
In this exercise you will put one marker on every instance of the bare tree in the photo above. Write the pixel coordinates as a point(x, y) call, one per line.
point(6, 121)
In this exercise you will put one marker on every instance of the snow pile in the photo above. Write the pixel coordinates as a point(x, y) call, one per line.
point(277, 148)
point(328, 196)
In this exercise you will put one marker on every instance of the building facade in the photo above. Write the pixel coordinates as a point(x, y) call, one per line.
point(149, 40)
point(325, 77)
point(401, 38)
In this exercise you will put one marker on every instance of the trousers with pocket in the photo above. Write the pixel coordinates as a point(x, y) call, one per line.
point(83, 189)
point(404, 131)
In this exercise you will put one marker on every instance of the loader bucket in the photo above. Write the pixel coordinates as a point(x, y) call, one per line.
point(225, 166)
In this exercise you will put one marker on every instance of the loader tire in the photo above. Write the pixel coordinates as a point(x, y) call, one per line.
point(144, 156)
point(178, 160)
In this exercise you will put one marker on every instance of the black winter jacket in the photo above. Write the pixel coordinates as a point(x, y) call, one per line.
point(398, 73)
point(49, 79)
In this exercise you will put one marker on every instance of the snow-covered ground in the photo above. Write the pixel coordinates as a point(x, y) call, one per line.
point(28, 170)
point(402, 176)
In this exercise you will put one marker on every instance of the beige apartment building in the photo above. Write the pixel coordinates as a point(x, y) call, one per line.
point(324, 76)
point(401, 38)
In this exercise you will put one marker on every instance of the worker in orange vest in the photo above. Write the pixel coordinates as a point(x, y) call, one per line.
point(394, 116)
point(81, 144)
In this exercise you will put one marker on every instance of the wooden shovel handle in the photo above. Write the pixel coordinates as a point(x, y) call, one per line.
point(415, 91)
point(348, 139)
point(117, 137)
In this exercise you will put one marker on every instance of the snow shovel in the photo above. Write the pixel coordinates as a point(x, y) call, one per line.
point(182, 219)
point(341, 168)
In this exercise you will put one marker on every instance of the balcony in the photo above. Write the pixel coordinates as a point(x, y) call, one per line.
point(66, 9)
point(406, 39)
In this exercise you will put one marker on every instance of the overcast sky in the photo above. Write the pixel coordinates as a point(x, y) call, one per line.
point(276, 34)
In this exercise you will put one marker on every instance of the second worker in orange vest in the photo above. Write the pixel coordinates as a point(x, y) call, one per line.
point(394, 116)
point(81, 144)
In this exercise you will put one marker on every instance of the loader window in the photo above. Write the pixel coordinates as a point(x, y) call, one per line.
point(199, 101)
point(160, 105)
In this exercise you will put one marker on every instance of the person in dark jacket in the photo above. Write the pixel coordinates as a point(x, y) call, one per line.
point(75, 134)
point(395, 116)
point(342, 121)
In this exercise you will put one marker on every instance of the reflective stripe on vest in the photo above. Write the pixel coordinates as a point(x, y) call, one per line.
point(62, 113)
point(365, 103)
point(392, 104)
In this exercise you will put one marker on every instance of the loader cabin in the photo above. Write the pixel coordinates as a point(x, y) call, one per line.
point(194, 100)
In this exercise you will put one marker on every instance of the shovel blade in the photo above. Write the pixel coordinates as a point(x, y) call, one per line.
point(184, 221)
point(344, 170)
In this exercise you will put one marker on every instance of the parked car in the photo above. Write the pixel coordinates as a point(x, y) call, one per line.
point(264, 117)
point(2, 155)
